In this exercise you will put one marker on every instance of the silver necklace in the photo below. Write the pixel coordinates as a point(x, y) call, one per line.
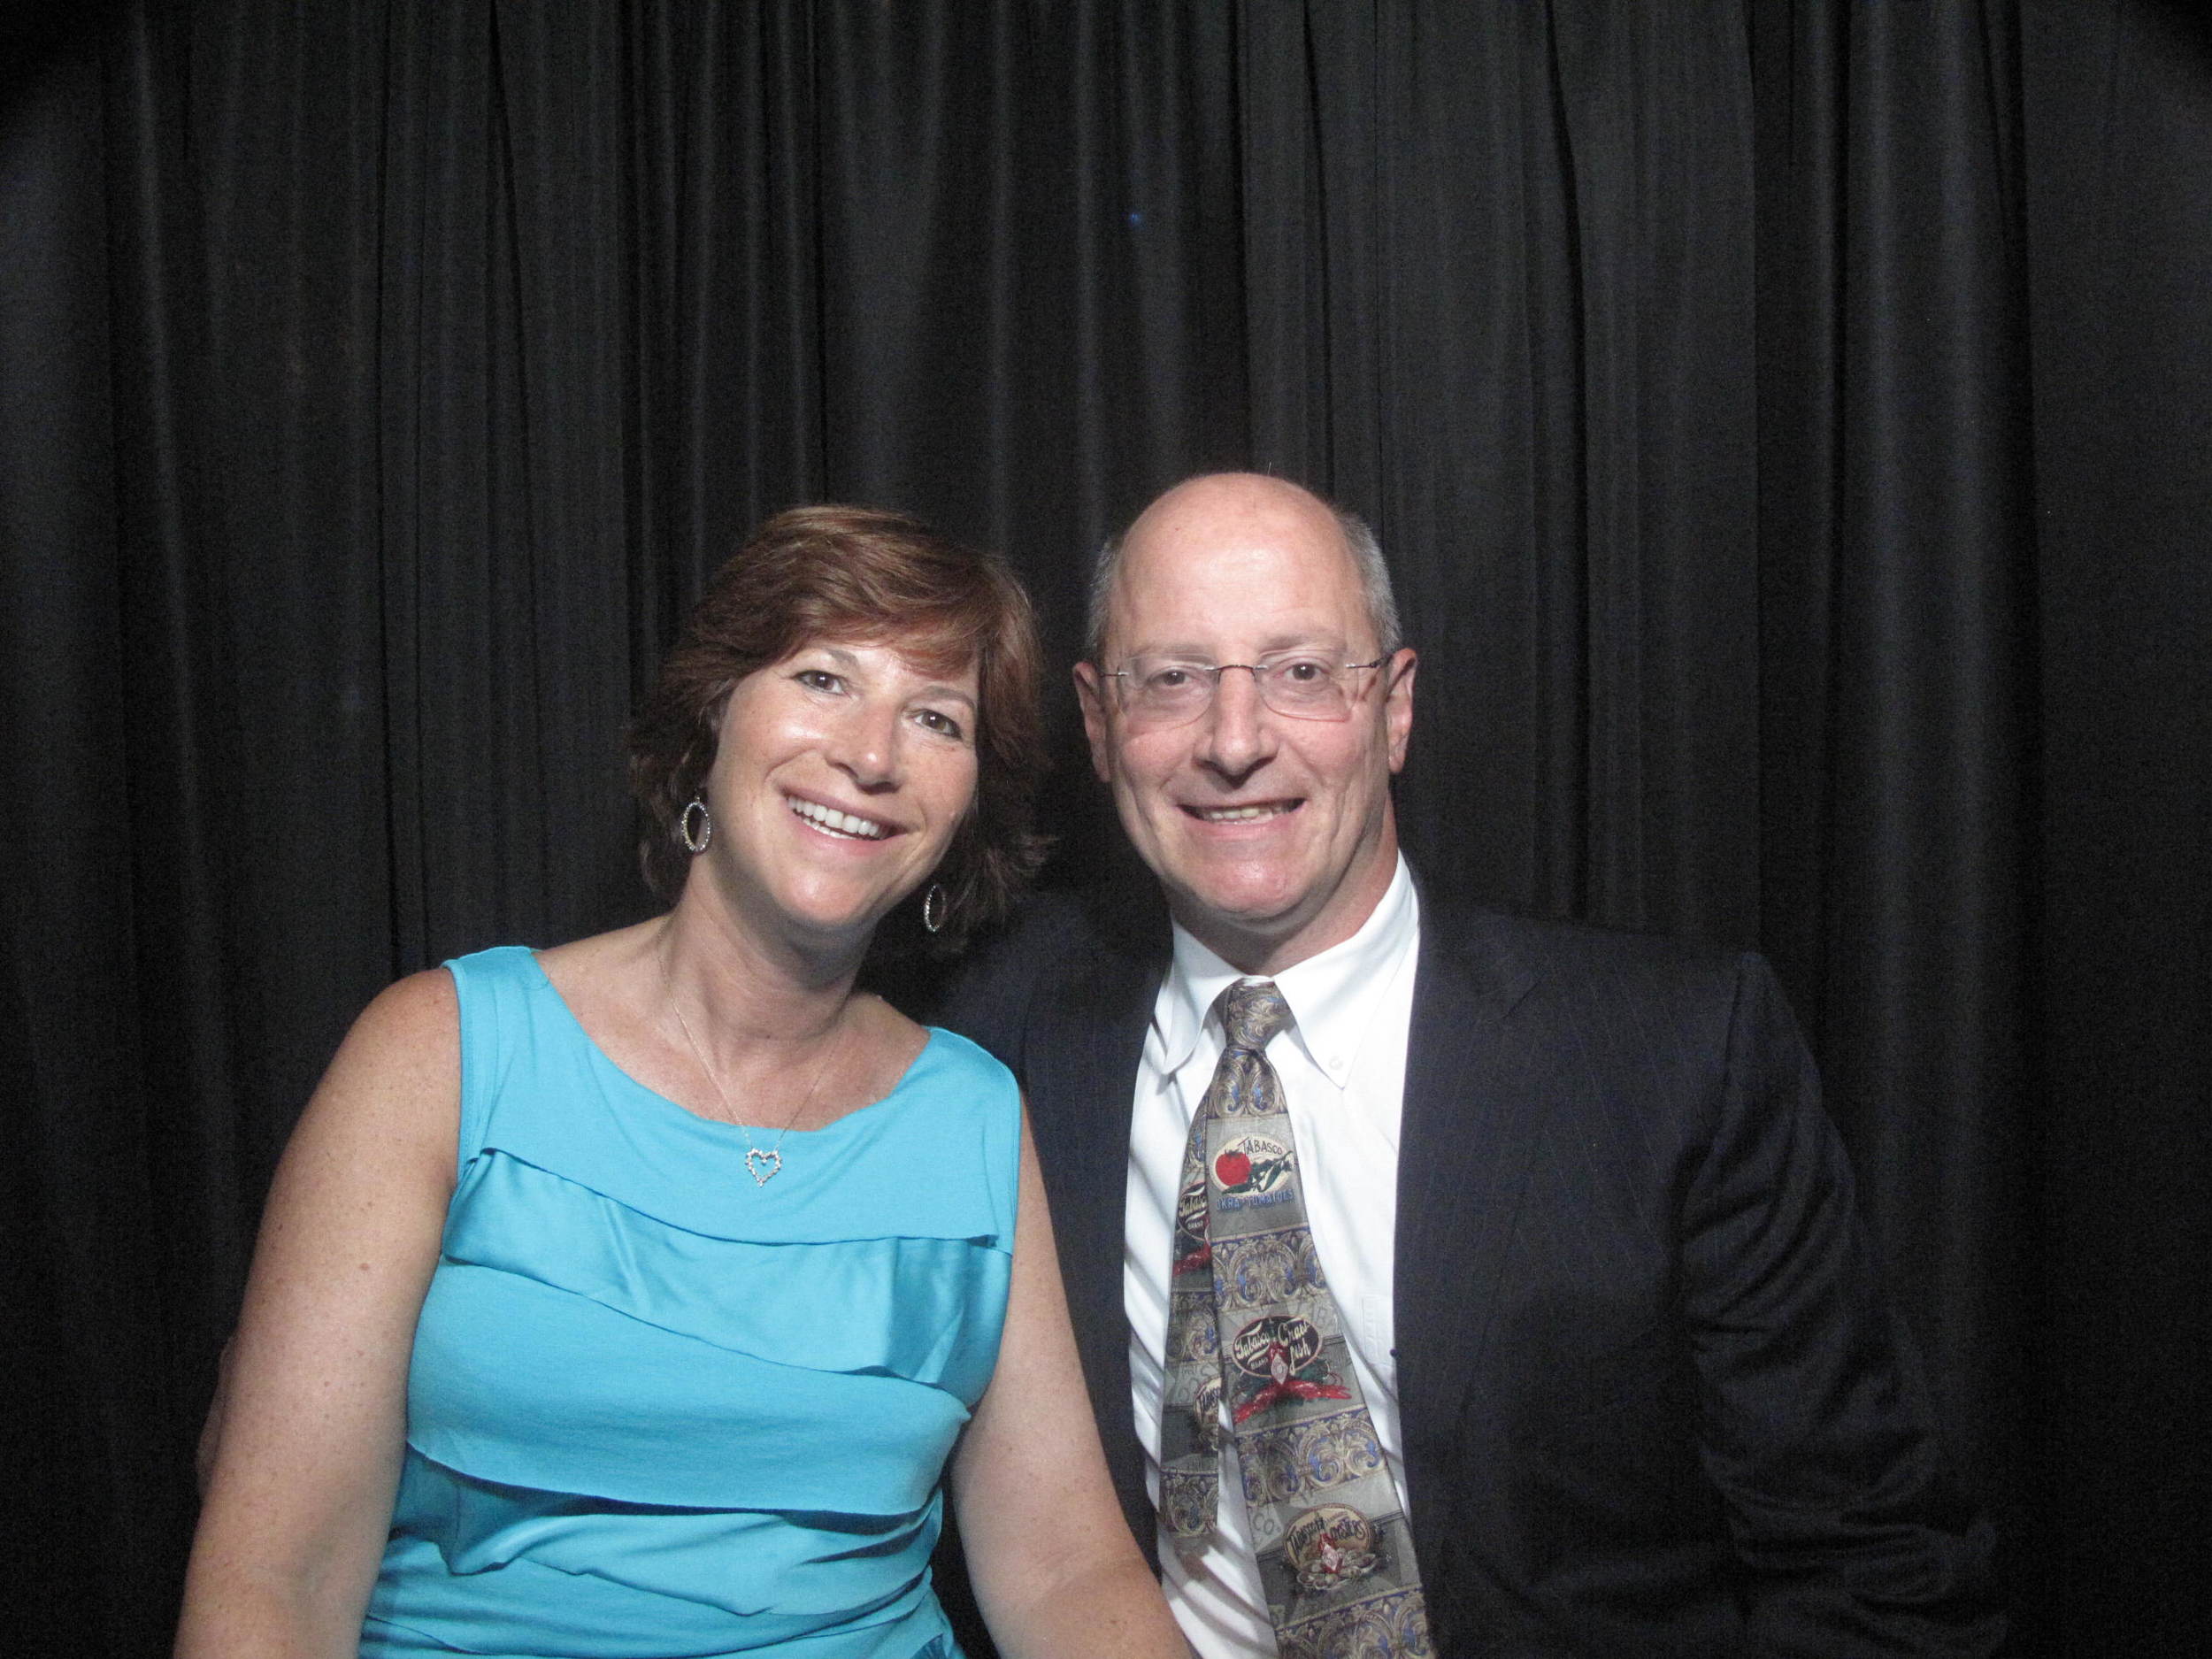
point(764, 1164)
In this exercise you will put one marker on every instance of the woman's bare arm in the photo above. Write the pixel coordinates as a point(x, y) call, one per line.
point(1055, 1572)
point(304, 1449)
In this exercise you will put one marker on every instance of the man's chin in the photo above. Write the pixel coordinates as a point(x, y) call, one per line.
point(1238, 926)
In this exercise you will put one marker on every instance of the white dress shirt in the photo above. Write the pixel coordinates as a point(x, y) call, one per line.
point(1342, 1066)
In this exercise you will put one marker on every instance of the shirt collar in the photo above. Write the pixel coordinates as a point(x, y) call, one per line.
point(1333, 996)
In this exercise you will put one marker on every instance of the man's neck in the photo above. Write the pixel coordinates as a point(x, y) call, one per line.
point(1265, 951)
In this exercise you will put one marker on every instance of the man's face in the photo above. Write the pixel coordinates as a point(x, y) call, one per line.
point(1272, 835)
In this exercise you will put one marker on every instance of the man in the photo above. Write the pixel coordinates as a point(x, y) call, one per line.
point(1446, 1282)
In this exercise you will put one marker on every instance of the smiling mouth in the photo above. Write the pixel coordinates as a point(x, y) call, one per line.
point(1251, 814)
point(830, 821)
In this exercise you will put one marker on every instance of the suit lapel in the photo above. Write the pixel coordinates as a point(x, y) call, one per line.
point(1463, 1149)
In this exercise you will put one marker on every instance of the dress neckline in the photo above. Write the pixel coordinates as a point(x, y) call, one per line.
point(606, 1061)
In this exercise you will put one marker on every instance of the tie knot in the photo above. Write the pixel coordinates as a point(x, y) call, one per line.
point(1252, 1011)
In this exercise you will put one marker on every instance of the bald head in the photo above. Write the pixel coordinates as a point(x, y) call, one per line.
point(1246, 506)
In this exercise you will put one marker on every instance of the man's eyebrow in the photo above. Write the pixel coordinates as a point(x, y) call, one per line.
point(1275, 647)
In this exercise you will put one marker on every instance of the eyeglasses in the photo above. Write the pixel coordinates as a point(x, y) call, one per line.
point(1160, 691)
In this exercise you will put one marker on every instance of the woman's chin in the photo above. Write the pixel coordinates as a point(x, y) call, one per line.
point(835, 924)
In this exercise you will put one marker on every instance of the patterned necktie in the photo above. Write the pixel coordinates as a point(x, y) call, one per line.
point(1254, 1333)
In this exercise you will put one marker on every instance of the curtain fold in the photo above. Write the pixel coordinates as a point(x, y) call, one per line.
point(2117, 132)
point(1897, 548)
point(86, 1409)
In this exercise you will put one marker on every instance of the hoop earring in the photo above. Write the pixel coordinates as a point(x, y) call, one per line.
point(933, 905)
point(696, 844)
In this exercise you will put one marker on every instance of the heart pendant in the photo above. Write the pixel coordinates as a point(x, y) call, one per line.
point(764, 1165)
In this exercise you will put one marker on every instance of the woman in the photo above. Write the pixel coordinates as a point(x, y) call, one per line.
point(669, 1360)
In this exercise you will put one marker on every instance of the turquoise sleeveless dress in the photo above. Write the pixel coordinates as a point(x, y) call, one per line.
point(656, 1410)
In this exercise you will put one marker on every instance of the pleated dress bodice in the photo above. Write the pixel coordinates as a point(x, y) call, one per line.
point(655, 1409)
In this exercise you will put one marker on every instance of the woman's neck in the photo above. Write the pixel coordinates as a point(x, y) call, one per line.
point(740, 988)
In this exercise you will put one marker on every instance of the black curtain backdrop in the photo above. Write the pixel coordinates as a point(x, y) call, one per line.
point(1789, 421)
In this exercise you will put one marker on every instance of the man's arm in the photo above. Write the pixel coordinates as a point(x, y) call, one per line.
point(1816, 1422)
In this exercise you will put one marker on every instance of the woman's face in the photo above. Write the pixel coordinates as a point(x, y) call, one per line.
point(839, 776)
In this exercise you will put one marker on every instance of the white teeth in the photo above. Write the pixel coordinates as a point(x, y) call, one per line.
point(1237, 814)
point(829, 817)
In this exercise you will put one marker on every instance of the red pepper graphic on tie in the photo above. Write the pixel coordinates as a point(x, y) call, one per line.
point(1250, 1164)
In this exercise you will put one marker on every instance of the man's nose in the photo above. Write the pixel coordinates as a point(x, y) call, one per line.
point(1238, 737)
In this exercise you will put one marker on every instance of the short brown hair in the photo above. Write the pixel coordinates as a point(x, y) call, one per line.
point(862, 576)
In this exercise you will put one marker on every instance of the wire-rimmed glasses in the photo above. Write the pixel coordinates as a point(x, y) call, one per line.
point(1160, 691)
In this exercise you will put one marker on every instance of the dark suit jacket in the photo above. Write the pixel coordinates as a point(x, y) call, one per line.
point(1652, 1401)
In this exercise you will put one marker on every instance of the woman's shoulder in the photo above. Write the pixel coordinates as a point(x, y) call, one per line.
point(971, 1060)
point(606, 983)
point(392, 1090)
point(908, 1049)
point(928, 1062)
point(907, 1042)
point(615, 953)
point(420, 1014)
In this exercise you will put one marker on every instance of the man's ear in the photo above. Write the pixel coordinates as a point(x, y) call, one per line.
point(1090, 692)
point(1398, 702)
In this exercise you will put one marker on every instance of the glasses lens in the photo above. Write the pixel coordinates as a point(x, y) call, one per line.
point(1166, 692)
point(1307, 687)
